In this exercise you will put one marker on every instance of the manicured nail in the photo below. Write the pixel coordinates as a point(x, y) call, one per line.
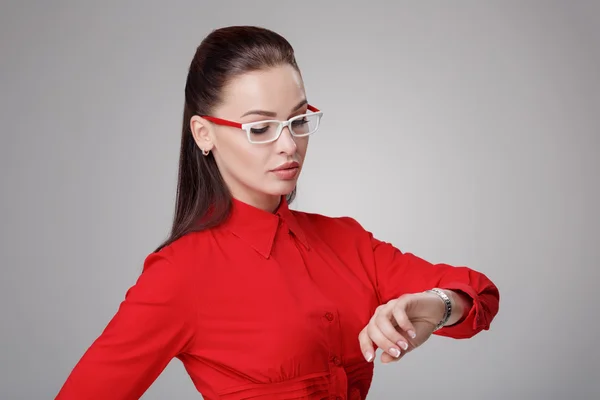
point(395, 352)
point(403, 345)
point(412, 334)
point(369, 356)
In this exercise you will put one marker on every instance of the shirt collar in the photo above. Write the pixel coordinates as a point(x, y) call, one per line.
point(258, 227)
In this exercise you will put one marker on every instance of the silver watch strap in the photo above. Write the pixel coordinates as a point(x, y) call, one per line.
point(448, 306)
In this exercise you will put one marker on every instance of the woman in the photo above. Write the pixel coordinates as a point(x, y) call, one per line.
point(259, 301)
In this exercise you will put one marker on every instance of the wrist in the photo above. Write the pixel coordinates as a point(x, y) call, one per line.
point(447, 306)
point(461, 305)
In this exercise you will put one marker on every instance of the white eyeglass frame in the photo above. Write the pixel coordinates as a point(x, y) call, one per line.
point(281, 124)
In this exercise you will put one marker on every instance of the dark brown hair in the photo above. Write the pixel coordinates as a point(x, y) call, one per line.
point(203, 200)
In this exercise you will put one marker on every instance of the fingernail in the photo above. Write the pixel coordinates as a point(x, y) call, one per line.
point(412, 334)
point(395, 352)
point(403, 345)
point(369, 356)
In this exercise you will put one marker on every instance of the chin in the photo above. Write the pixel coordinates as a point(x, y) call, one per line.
point(282, 188)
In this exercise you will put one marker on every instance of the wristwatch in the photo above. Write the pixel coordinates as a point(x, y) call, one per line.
point(447, 304)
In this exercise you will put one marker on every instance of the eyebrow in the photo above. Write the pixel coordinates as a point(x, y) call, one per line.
point(271, 113)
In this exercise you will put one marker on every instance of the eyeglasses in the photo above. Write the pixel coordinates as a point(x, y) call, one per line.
point(267, 131)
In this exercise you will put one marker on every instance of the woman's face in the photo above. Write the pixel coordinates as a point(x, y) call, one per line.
point(250, 170)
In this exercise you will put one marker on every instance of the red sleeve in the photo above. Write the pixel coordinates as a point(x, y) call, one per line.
point(396, 273)
point(154, 324)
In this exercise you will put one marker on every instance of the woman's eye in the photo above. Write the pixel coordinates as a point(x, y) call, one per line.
point(259, 130)
point(300, 122)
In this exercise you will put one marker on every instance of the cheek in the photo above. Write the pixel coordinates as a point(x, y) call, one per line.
point(242, 158)
point(301, 146)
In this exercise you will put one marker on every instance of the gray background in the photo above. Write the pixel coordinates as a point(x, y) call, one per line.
point(466, 132)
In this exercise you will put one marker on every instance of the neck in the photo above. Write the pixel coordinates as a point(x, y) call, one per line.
point(262, 201)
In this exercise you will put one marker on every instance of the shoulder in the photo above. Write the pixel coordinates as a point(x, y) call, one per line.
point(177, 262)
point(342, 224)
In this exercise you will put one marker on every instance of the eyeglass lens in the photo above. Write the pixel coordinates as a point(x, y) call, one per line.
point(266, 131)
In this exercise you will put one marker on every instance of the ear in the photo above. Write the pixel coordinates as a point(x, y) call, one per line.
point(202, 132)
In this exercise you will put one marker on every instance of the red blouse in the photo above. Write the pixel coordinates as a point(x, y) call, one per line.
point(265, 306)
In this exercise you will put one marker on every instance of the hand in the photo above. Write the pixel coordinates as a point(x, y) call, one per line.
point(401, 325)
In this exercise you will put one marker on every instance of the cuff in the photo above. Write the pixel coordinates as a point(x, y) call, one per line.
point(474, 322)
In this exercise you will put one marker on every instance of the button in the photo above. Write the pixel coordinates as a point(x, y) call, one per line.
point(336, 361)
point(329, 316)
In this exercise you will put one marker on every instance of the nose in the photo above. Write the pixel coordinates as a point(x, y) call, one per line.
point(286, 143)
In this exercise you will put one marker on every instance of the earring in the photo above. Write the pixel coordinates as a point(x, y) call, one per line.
point(205, 152)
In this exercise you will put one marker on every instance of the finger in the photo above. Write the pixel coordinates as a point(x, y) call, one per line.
point(381, 340)
point(399, 314)
point(388, 329)
point(366, 345)
point(386, 358)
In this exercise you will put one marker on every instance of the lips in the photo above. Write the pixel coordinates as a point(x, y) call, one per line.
point(287, 165)
point(287, 171)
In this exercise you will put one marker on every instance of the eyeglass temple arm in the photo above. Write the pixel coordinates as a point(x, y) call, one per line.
point(238, 125)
